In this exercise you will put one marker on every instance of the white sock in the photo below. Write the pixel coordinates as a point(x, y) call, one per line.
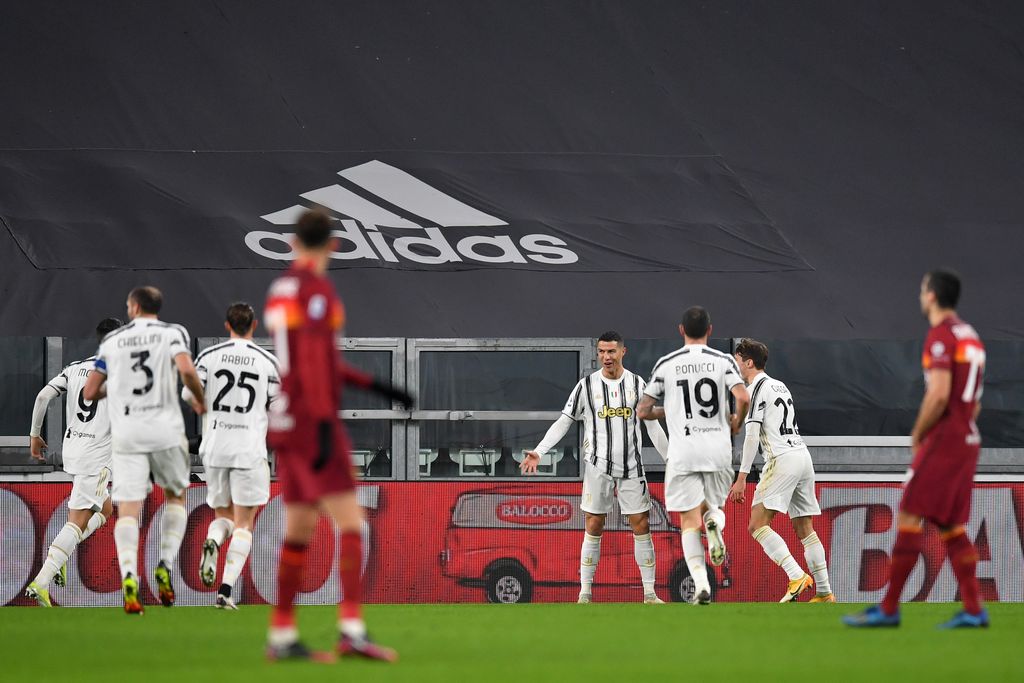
point(95, 522)
point(814, 553)
point(281, 636)
point(717, 515)
point(590, 555)
point(126, 538)
point(777, 550)
point(693, 551)
point(172, 530)
point(643, 551)
point(60, 550)
point(353, 628)
point(219, 530)
point(238, 553)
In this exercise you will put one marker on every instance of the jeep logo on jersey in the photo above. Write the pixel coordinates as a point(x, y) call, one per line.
point(416, 207)
point(607, 411)
point(533, 511)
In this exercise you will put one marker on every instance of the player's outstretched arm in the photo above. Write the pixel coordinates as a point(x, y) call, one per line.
point(737, 493)
point(558, 429)
point(936, 398)
point(36, 444)
point(658, 437)
point(190, 378)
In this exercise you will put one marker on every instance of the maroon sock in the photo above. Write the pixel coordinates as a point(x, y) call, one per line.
point(909, 542)
point(289, 579)
point(350, 568)
point(964, 559)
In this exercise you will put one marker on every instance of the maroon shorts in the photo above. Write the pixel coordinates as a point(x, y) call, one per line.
point(310, 469)
point(942, 479)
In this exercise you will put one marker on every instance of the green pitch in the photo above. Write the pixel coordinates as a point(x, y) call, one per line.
point(521, 643)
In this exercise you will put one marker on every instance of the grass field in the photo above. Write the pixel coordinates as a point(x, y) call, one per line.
point(523, 643)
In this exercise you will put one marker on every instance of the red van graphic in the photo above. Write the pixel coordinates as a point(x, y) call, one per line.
point(508, 541)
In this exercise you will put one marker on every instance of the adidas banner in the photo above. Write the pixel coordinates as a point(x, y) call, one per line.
point(121, 210)
point(515, 542)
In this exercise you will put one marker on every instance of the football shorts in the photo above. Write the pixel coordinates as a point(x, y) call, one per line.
point(599, 491)
point(787, 485)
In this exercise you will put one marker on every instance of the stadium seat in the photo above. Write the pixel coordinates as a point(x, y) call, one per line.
point(362, 459)
point(485, 458)
point(427, 458)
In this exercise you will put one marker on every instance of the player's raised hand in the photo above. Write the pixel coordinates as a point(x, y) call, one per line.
point(36, 446)
point(738, 492)
point(529, 463)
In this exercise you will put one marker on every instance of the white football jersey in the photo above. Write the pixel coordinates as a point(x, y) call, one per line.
point(142, 385)
point(694, 383)
point(86, 447)
point(607, 409)
point(771, 405)
point(240, 379)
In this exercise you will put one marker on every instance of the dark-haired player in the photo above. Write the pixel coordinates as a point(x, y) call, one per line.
point(605, 402)
point(305, 317)
point(787, 483)
point(695, 383)
point(86, 455)
point(137, 368)
point(240, 380)
point(945, 443)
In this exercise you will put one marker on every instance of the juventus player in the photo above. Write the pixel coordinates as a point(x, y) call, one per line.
point(135, 368)
point(787, 483)
point(695, 383)
point(86, 455)
point(605, 402)
point(240, 380)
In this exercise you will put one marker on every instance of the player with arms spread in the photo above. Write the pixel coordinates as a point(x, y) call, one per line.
point(240, 380)
point(695, 383)
point(787, 483)
point(305, 317)
point(945, 444)
point(605, 401)
point(86, 455)
point(137, 368)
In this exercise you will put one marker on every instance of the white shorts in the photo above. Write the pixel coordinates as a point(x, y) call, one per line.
point(226, 485)
point(685, 491)
point(168, 467)
point(787, 486)
point(599, 493)
point(89, 491)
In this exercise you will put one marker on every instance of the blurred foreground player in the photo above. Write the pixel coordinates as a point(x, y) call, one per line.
point(86, 455)
point(304, 316)
point(945, 443)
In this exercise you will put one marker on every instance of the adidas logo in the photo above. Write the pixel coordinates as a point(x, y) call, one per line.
point(391, 198)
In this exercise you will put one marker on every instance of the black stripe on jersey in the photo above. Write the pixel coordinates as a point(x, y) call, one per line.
point(114, 333)
point(636, 431)
point(665, 359)
point(204, 352)
point(575, 403)
point(625, 431)
point(57, 389)
point(593, 419)
point(79, 362)
point(753, 397)
point(174, 326)
point(732, 361)
point(271, 357)
point(607, 428)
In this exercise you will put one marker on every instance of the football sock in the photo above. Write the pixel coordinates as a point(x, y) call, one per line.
point(814, 554)
point(778, 551)
point(219, 530)
point(716, 515)
point(693, 551)
point(172, 530)
point(289, 577)
point(95, 522)
point(590, 555)
point(238, 553)
point(126, 539)
point(643, 551)
point(964, 558)
point(60, 550)
point(353, 628)
point(909, 541)
point(350, 568)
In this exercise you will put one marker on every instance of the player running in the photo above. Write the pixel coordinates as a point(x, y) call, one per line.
point(86, 455)
point(240, 380)
point(305, 316)
point(605, 401)
point(695, 383)
point(135, 368)
point(946, 444)
point(787, 482)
